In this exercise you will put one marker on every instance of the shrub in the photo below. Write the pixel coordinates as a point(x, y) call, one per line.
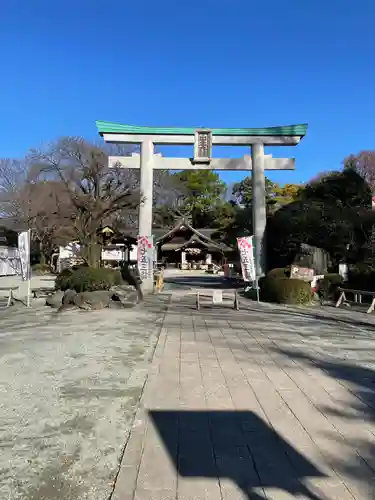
point(328, 286)
point(334, 278)
point(286, 291)
point(252, 294)
point(279, 272)
point(40, 269)
point(79, 266)
point(88, 279)
point(361, 278)
point(62, 279)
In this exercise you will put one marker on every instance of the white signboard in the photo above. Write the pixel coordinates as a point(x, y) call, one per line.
point(115, 254)
point(69, 251)
point(302, 273)
point(24, 253)
point(145, 257)
point(246, 249)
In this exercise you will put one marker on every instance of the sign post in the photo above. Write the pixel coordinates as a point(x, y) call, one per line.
point(302, 273)
point(24, 253)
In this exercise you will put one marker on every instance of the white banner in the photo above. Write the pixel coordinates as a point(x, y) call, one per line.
point(246, 249)
point(24, 252)
point(344, 271)
point(145, 246)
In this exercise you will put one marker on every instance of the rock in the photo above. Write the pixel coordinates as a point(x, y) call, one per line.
point(67, 301)
point(69, 296)
point(133, 278)
point(54, 299)
point(126, 295)
point(92, 301)
point(88, 301)
point(312, 257)
point(122, 296)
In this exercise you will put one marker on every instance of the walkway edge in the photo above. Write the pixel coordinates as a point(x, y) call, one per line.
point(127, 473)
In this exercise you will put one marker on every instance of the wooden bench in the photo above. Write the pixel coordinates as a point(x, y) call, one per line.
point(10, 290)
point(357, 298)
point(41, 292)
point(217, 299)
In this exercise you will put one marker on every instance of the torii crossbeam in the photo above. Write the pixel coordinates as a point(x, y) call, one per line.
point(163, 163)
point(203, 140)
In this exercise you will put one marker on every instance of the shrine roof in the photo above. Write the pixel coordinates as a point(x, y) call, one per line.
point(284, 130)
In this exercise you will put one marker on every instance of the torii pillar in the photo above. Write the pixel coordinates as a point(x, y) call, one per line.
point(203, 140)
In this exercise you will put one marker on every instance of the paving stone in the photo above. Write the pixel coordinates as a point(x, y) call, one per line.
point(154, 494)
point(258, 402)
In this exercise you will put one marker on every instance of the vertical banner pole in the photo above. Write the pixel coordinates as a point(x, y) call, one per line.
point(28, 268)
point(246, 249)
point(24, 242)
point(145, 259)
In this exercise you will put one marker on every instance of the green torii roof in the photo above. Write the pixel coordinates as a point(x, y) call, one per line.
point(117, 128)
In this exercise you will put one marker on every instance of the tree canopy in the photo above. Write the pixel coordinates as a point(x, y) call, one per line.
point(332, 212)
point(65, 191)
point(276, 195)
point(203, 196)
point(364, 164)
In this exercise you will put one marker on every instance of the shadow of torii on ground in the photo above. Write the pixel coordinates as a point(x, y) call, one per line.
point(235, 445)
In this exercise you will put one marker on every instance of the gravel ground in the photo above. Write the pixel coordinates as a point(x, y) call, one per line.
point(69, 387)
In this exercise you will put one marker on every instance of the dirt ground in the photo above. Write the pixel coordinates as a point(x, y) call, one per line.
point(69, 387)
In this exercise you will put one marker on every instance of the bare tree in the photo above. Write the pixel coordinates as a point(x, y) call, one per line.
point(89, 191)
point(169, 194)
point(364, 164)
point(46, 205)
point(13, 174)
point(65, 191)
point(30, 203)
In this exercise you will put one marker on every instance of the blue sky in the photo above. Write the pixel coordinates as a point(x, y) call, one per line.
point(244, 63)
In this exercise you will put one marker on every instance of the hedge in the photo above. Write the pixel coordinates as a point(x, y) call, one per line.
point(285, 290)
point(39, 269)
point(279, 272)
point(328, 286)
point(88, 279)
point(361, 278)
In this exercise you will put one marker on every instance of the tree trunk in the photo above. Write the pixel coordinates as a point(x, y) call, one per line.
point(42, 255)
point(93, 252)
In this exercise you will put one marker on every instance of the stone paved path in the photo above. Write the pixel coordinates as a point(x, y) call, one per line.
point(269, 403)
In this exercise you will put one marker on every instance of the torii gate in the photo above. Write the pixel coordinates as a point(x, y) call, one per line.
point(203, 140)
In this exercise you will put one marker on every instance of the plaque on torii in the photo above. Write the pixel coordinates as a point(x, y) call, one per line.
point(202, 146)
